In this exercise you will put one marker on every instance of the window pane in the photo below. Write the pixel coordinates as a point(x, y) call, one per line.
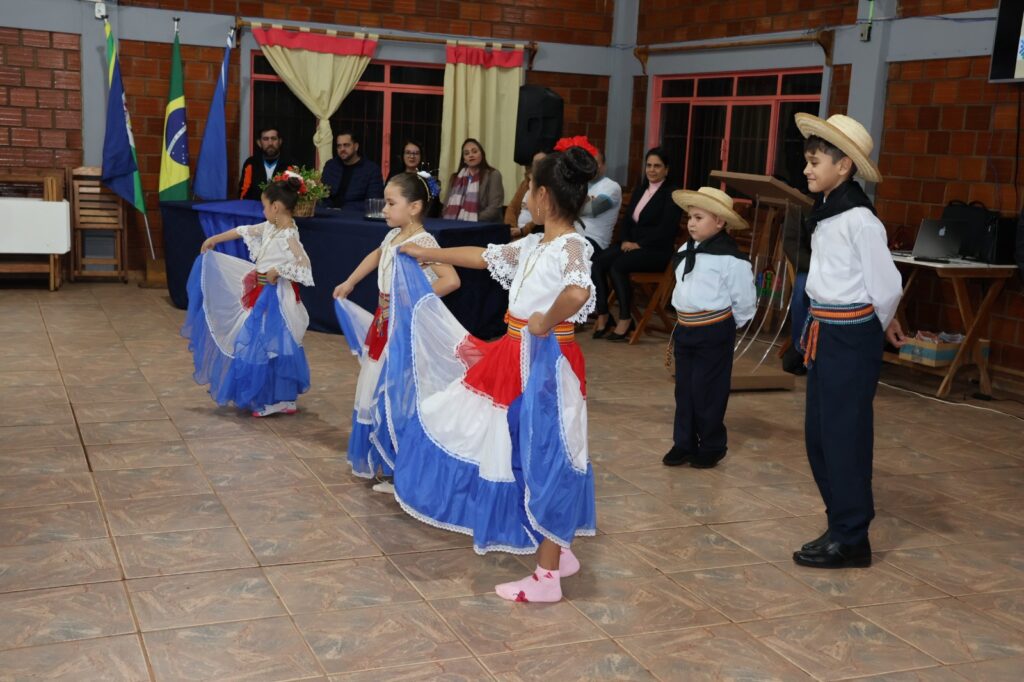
point(374, 74)
point(675, 119)
point(705, 144)
point(801, 84)
point(417, 75)
point(261, 66)
point(750, 86)
point(714, 87)
point(748, 138)
point(275, 105)
point(789, 148)
point(678, 87)
point(362, 112)
point(417, 118)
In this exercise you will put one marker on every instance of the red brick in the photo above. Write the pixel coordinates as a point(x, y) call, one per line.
point(20, 56)
point(978, 117)
point(40, 118)
point(65, 41)
point(10, 36)
point(38, 78)
point(24, 137)
point(22, 97)
point(54, 139)
point(10, 75)
point(938, 142)
point(952, 118)
point(39, 158)
point(10, 116)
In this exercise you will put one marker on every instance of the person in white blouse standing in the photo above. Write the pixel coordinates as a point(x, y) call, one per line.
point(714, 294)
point(854, 289)
point(601, 212)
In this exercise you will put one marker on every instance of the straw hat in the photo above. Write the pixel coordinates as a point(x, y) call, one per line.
point(846, 134)
point(713, 201)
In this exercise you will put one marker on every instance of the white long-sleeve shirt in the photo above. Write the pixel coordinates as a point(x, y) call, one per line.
point(277, 247)
point(716, 283)
point(851, 263)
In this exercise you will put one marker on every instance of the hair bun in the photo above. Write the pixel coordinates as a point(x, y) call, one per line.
point(578, 166)
point(293, 182)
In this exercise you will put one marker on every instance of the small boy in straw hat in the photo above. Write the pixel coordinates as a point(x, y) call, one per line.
point(714, 294)
point(854, 289)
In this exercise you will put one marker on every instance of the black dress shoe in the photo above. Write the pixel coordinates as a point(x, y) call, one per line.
point(675, 457)
point(603, 331)
point(622, 337)
point(707, 461)
point(817, 543)
point(836, 555)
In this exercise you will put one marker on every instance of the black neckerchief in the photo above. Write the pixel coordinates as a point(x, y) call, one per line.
point(719, 245)
point(844, 197)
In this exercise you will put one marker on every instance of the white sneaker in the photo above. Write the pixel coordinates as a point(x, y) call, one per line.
point(283, 407)
point(384, 487)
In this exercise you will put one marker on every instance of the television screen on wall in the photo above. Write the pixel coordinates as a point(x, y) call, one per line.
point(1008, 46)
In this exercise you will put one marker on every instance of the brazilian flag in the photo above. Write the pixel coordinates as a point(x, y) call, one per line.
point(174, 160)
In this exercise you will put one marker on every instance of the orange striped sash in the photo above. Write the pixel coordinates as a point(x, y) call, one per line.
point(839, 314)
point(703, 318)
point(565, 332)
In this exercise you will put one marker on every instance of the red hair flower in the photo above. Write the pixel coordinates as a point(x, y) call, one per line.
point(578, 141)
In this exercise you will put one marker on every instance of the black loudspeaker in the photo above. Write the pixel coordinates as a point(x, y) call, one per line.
point(539, 124)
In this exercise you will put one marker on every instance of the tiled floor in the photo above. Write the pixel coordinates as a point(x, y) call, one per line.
point(146, 534)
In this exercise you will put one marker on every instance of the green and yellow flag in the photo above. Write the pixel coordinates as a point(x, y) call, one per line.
point(174, 160)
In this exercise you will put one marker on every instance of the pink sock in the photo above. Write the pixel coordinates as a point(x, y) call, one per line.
point(540, 586)
point(568, 564)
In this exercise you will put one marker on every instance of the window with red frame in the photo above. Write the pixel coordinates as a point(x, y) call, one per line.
point(738, 122)
point(392, 103)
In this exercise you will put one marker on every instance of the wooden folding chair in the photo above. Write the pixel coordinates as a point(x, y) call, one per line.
point(95, 209)
point(657, 286)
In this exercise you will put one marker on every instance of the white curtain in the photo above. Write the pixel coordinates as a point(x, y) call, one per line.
point(321, 69)
point(481, 100)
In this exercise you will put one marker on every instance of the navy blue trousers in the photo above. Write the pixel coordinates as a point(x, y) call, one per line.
point(839, 424)
point(703, 357)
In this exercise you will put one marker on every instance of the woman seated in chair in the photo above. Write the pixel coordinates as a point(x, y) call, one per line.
point(475, 190)
point(648, 233)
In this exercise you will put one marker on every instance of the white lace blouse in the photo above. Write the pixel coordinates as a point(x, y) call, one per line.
point(388, 253)
point(276, 247)
point(536, 273)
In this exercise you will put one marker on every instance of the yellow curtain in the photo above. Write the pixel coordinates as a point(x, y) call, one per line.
point(481, 100)
point(313, 68)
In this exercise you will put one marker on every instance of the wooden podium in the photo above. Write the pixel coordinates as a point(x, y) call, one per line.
point(783, 206)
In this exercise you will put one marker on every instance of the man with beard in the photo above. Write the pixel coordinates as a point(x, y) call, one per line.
point(352, 178)
point(263, 165)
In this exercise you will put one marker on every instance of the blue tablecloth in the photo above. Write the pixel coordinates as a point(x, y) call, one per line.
point(336, 241)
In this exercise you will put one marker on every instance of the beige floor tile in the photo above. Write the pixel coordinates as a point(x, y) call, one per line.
point(837, 645)
point(710, 654)
point(18, 438)
point(681, 549)
point(35, 414)
point(63, 614)
point(268, 649)
point(187, 551)
point(139, 455)
point(639, 512)
point(57, 523)
point(948, 630)
point(46, 460)
point(38, 489)
point(399, 533)
point(119, 411)
point(56, 564)
point(109, 433)
point(773, 539)
point(330, 538)
point(163, 514)
point(959, 569)
point(600, 660)
point(361, 500)
point(203, 598)
point(123, 484)
point(882, 584)
point(108, 659)
point(723, 505)
point(460, 572)
point(360, 639)
point(258, 508)
point(335, 585)
point(1006, 607)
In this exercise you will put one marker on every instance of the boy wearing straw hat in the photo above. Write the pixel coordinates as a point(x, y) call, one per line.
point(714, 294)
point(854, 289)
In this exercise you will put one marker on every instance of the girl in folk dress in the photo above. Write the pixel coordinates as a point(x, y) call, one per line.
point(406, 198)
point(245, 320)
point(478, 454)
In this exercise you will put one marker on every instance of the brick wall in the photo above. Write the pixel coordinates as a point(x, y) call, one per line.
point(663, 21)
point(145, 68)
point(584, 22)
point(919, 8)
point(839, 92)
point(950, 134)
point(40, 99)
point(586, 102)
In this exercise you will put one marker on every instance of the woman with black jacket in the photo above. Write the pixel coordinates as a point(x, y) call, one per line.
point(648, 235)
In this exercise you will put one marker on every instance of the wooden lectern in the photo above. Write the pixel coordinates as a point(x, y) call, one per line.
point(783, 212)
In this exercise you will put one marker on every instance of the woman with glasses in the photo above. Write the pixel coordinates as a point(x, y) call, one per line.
point(411, 161)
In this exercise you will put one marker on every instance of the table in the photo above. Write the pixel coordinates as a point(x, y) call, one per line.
point(336, 241)
point(958, 272)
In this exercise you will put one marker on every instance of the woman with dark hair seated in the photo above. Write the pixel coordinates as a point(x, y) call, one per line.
point(412, 159)
point(648, 234)
point(475, 190)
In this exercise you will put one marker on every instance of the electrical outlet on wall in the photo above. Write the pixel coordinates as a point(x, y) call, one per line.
point(100, 10)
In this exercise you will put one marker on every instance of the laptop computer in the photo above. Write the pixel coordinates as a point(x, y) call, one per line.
point(939, 240)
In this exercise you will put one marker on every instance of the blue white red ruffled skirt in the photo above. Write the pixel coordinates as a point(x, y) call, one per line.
point(491, 438)
point(249, 356)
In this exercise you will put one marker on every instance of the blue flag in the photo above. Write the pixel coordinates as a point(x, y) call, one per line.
point(212, 168)
point(120, 167)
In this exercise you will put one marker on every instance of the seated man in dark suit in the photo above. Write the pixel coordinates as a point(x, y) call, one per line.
point(263, 165)
point(352, 179)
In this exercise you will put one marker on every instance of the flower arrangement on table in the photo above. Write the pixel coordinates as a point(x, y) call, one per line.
point(311, 190)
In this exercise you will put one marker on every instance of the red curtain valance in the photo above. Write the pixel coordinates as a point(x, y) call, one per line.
point(478, 56)
point(315, 42)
